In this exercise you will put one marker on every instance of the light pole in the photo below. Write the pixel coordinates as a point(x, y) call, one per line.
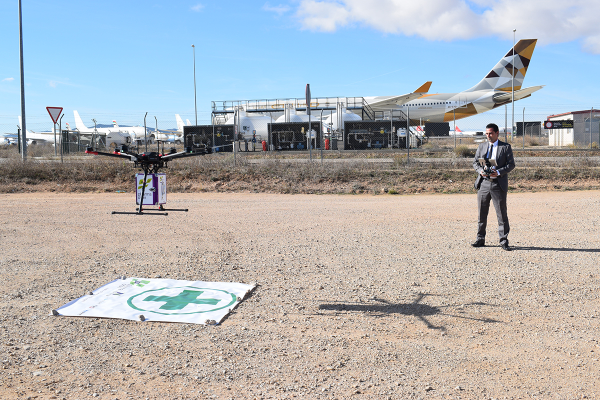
point(513, 87)
point(195, 104)
point(23, 124)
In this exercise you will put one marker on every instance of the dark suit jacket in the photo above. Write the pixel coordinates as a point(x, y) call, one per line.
point(504, 159)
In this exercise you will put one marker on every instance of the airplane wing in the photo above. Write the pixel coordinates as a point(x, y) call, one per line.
point(402, 99)
point(519, 94)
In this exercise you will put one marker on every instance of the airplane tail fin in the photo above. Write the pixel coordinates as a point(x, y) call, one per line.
point(187, 122)
point(424, 88)
point(501, 76)
point(79, 123)
point(458, 129)
point(179, 123)
point(21, 125)
point(115, 125)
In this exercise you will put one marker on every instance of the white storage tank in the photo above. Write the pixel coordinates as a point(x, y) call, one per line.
point(331, 121)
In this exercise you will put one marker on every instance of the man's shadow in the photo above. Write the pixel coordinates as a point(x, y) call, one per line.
point(416, 309)
point(517, 248)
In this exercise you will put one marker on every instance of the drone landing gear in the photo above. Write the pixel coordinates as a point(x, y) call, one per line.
point(161, 208)
point(140, 212)
point(144, 212)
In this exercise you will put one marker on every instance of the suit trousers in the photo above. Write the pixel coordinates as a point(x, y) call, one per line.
point(491, 190)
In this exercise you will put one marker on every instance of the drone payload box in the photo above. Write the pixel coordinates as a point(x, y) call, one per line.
point(155, 192)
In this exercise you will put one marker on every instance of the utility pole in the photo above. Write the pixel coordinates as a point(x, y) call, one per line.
point(512, 134)
point(23, 119)
point(195, 103)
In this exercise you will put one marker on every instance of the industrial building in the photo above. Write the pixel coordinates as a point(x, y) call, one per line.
point(584, 132)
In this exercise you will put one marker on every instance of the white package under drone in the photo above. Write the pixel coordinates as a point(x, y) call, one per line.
point(155, 192)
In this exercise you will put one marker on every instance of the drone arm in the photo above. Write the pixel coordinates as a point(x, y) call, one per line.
point(181, 154)
point(117, 155)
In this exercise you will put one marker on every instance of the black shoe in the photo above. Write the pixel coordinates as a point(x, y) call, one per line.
point(478, 243)
point(505, 245)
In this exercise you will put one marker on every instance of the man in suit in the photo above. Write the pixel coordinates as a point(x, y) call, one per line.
point(493, 186)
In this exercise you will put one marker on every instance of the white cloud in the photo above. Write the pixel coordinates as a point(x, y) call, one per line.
point(551, 21)
point(198, 7)
point(278, 9)
point(8, 79)
point(53, 83)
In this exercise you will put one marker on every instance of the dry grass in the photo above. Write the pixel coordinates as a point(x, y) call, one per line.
point(283, 173)
point(464, 151)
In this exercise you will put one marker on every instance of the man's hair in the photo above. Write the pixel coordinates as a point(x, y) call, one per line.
point(494, 127)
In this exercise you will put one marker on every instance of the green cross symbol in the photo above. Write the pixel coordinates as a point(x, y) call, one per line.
point(139, 283)
point(181, 300)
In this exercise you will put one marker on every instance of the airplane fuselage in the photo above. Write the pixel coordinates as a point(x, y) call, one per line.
point(445, 107)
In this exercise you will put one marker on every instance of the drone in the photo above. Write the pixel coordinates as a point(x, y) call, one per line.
point(151, 163)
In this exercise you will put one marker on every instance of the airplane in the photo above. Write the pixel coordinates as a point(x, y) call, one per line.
point(493, 91)
point(8, 139)
point(40, 137)
point(471, 133)
point(114, 136)
point(180, 123)
point(82, 128)
point(135, 132)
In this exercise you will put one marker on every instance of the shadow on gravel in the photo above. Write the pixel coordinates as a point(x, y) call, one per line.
point(416, 309)
point(516, 248)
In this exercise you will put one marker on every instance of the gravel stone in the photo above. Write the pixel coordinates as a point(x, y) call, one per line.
point(360, 296)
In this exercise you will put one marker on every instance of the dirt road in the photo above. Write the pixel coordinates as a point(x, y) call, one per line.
point(366, 297)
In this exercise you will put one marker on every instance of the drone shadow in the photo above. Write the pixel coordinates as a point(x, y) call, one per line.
point(517, 248)
point(416, 309)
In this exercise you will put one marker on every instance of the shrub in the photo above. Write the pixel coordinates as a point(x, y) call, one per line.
point(464, 151)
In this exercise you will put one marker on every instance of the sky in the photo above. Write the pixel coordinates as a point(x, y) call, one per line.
point(120, 59)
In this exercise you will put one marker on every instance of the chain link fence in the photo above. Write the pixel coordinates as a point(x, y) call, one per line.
point(338, 132)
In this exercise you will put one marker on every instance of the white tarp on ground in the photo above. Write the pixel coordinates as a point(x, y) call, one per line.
point(166, 300)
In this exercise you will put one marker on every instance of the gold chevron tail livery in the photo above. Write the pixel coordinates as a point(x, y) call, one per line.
point(494, 90)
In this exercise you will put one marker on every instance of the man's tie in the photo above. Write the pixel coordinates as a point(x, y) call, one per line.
point(489, 153)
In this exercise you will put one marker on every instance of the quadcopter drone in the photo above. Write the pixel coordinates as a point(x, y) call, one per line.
point(150, 163)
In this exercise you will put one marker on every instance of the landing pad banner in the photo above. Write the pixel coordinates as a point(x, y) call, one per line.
point(166, 300)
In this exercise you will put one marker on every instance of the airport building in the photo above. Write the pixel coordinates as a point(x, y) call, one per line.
point(582, 128)
point(347, 123)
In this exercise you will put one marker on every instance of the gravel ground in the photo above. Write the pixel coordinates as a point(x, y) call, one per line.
point(362, 297)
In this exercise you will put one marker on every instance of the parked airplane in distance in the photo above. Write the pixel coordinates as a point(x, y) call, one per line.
point(180, 123)
point(135, 132)
point(494, 90)
point(40, 137)
point(472, 133)
point(114, 136)
point(8, 139)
